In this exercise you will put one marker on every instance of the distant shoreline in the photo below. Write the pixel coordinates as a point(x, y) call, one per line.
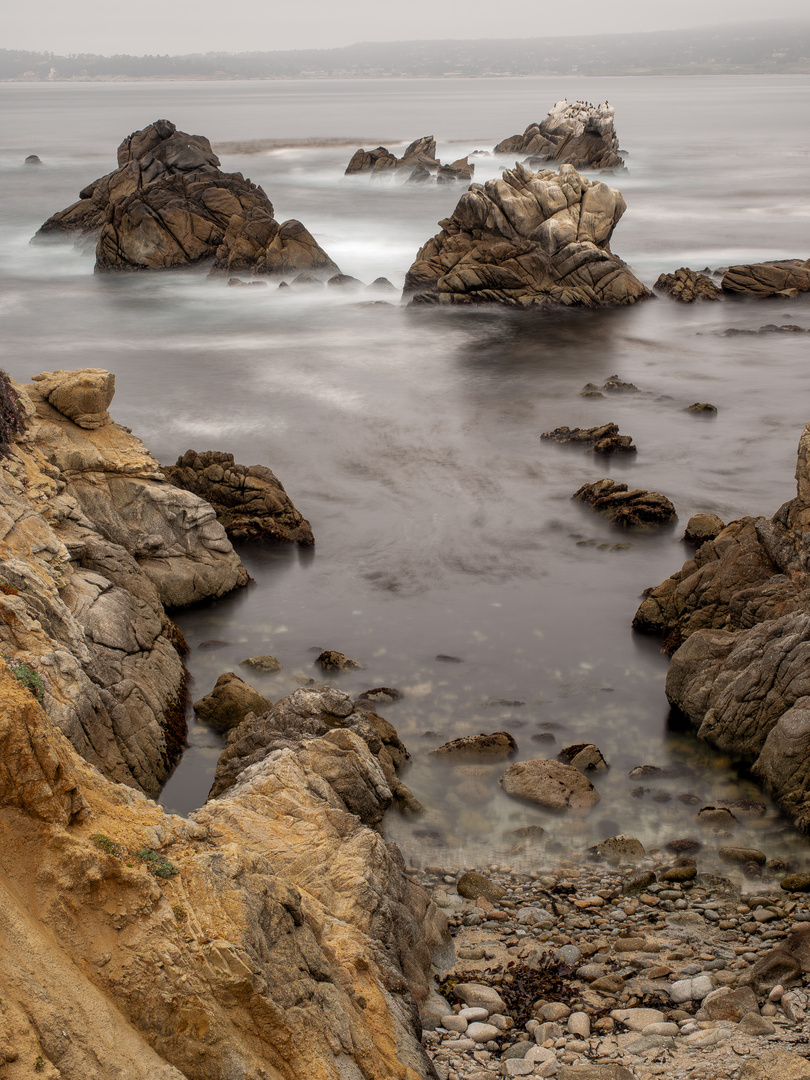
point(394, 78)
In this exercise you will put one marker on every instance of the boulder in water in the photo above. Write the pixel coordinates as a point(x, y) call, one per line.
point(687, 286)
point(579, 134)
point(527, 240)
point(628, 508)
point(785, 278)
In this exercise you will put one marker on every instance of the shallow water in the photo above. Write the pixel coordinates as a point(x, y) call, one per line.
point(411, 438)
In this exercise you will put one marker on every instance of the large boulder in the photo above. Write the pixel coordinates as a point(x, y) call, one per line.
point(550, 784)
point(579, 134)
point(249, 500)
point(526, 240)
point(230, 702)
point(737, 617)
point(84, 394)
point(630, 508)
point(168, 204)
point(785, 278)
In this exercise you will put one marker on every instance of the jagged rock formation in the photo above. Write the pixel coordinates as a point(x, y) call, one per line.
point(527, 240)
point(737, 616)
point(785, 278)
point(687, 286)
point(250, 500)
point(604, 439)
point(94, 546)
point(631, 509)
point(273, 935)
point(168, 204)
point(580, 134)
point(419, 162)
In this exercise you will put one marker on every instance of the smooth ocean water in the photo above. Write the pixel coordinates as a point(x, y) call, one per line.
point(411, 438)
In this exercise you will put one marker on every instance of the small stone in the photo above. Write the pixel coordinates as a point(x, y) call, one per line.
point(473, 1014)
point(454, 1023)
point(480, 995)
point(662, 1028)
point(637, 1019)
point(482, 1033)
point(620, 847)
point(262, 663)
point(796, 883)
point(679, 873)
point(754, 1024)
point(330, 660)
point(579, 1024)
point(743, 855)
point(517, 1067)
point(474, 886)
point(554, 1010)
point(691, 989)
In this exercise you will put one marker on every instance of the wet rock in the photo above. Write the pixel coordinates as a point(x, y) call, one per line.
point(628, 508)
point(230, 702)
point(717, 817)
point(796, 883)
point(702, 527)
point(583, 756)
point(344, 281)
point(615, 385)
point(702, 407)
point(249, 500)
point(743, 855)
point(638, 883)
point(550, 784)
point(262, 663)
point(330, 660)
point(33, 159)
point(473, 885)
point(527, 240)
point(579, 134)
point(687, 286)
point(494, 747)
point(385, 694)
point(784, 278)
point(684, 846)
point(445, 659)
point(377, 161)
point(604, 439)
point(622, 847)
point(381, 284)
point(678, 873)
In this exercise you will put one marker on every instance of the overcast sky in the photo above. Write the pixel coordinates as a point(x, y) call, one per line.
point(180, 26)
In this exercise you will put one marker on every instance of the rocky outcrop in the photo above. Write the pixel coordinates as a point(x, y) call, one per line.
point(631, 509)
point(737, 617)
point(418, 164)
point(483, 747)
point(94, 546)
point(580, 134)
point(527, 240)
point(168, 205)
point(784, 278)
point(249, 500)
point(275, 934)
point(230, 702)
point(687, 286)
point(604, 439)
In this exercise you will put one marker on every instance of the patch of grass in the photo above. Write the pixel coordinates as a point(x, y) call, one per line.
point(160, 866)
point(28, 675)
point(39, 1063)
point(179, 912)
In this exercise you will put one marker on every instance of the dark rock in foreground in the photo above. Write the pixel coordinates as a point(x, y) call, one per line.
point(528, 240)
point(249, 500)
point(738, 614)
point(580, 134)
point(629, 508)
point(168, 205)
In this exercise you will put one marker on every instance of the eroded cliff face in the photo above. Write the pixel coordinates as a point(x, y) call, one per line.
point(274, 936)
point(737, 618)
point(94, 546)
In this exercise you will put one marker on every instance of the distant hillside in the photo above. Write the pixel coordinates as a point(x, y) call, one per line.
point(747, 48)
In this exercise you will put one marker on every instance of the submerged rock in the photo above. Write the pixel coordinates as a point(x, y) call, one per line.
point(249, 500)
point(419, 163)
point(550, 784)
point(499, 744)
point(579, 134)
point(168, 205)
point(526, 240)
point(330, 660)
point(629, 508)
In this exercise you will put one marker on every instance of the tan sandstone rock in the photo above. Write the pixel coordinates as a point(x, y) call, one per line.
point(550, 784)
point(83, 395)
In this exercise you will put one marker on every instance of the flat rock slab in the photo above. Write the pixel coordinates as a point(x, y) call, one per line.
point(549, 783)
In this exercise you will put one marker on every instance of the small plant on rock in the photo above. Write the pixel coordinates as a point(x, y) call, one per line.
point(11, 423)
point(8, 590)
point(112, 847)
point(160, 866)
point(28, 675)
point(39, 1063)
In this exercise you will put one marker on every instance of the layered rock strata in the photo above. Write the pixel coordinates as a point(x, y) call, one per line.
point(250, 500)
point(687, 286)
point(527, 240)
point(630, 508)
point(579, 134)
point(168, 204)
point(273, 935)
point(737, 619)
point(95, 545)
point(784, 278)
